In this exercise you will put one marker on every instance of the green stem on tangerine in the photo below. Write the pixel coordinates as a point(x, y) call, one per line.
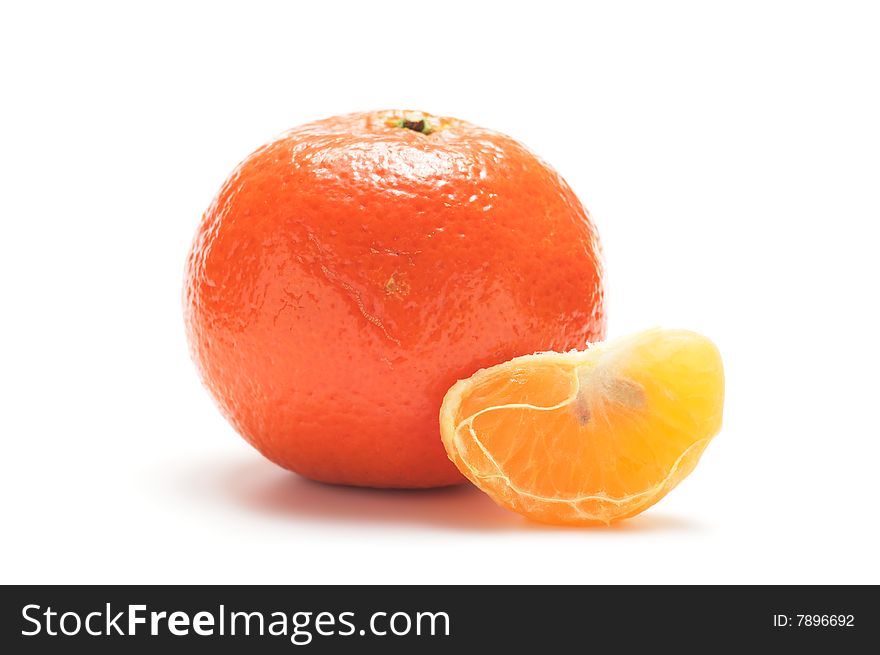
point(420, 125)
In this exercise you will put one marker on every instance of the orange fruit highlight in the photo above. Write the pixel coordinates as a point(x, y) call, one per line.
point(587, 437)
point(350, 271)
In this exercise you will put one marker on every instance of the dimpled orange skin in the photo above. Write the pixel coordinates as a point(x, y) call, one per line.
point(349, 272)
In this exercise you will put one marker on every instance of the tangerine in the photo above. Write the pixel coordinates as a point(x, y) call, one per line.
point(587, 437)
point(348, 272)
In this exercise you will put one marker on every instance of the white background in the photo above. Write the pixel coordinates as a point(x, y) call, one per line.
point(729, 153)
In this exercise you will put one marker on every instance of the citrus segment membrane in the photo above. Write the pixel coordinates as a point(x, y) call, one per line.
point(587, 436)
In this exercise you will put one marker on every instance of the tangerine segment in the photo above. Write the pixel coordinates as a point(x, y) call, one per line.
point(587, 437)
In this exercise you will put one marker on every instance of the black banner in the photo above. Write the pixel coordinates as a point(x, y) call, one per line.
point(327, 619)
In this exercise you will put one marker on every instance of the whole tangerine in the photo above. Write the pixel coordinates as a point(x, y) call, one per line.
point(350, 271)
